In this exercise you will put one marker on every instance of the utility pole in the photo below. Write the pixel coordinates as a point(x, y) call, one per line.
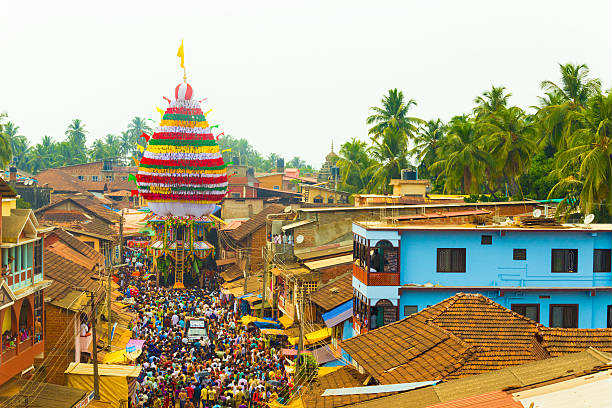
point(108, 305)
point(264, 254)
point(94, 349)
point(301, 316)
point(121, 238)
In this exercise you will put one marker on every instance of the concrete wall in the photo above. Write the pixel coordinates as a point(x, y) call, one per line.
point(492, 265)
point(239, 208)
point(336, 225)
point(56, 322)
point(592, 309)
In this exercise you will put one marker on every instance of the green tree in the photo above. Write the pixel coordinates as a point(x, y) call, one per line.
point(389, 154)
point(130, 139)
point(561, 100)
point(490, 101)
point(19, 144)
point(427, 143)
point(393, 113)
point(5, 145)
point(585, 167)
point(462, 161)
point(353, 164)
point(41, 156)
point(508, 138)
point(75, 138)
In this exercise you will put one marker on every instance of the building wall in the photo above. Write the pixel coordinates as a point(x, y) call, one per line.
point(592, 308)
point(239, 208)
point(333, 226)
point(57, 321)
point(272, 181)
point(257, 241)
point(331, 272)
point(25, 352)
point(492, 265)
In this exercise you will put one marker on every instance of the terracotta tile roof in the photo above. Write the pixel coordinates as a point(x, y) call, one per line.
point(255, 222)
point(334, 293)
point(463, 335)
point(561, 341)
point(344, 377)
point(75, 243)
point(495, 399)
point(67, 275)
point(89, 205)
point(232, 273)
point(454, 392)
point(60, 180)
point(96, 227)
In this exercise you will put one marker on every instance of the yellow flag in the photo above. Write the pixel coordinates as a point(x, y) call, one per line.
point(226, 150)
point(161, 111)
point(181, 55)
point(141, 148)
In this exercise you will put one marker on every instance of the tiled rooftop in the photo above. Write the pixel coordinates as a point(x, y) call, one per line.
point(334, 292)
point(255, 222)
point(463, 335)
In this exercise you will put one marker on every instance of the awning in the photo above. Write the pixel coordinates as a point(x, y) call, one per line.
point(286, 321)
point(338, 314)
point(313, 337)
point(248, 319)
point(297, 224)
point(290, 352)
point(273, 332)
point(324, 354)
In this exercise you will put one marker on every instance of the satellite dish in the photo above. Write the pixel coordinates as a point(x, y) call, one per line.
point(537, 213)
point(589, 219)
point(299, 239)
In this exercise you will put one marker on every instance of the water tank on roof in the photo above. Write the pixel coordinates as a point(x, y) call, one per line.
point(409, 174)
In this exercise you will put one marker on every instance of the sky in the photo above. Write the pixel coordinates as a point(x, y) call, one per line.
point(289, 76)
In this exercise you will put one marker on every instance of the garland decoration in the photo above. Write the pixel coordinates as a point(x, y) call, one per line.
point(182, 172)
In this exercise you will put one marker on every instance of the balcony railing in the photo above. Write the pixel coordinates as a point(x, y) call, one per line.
point(375, 278)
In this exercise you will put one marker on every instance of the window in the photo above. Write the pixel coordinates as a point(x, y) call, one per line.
point(80, 178)
point(519, 254)
point(609, 317)
point(109, 178)
point(38, 262)
point(531, 311)
point(408, 310)
point(235, 195)
point(601, 260)
point(451, 260)
point(564, 316)
point(564, 260)
point(94, 178)
point(276, 188)
point(318, 199)
point(123, 178)
point(330, 200)
point(486, 239)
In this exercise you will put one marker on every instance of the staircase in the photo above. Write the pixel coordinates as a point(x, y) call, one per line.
point(179, 265)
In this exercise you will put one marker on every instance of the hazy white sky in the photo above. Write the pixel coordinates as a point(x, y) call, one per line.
point(290, 76)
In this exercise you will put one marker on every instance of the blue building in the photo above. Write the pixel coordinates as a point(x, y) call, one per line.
point(557, 275)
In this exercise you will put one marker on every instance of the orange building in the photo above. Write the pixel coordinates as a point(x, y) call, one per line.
point(22, 286)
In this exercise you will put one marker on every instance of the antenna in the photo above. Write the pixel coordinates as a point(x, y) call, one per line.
point(537, 213)
point(589, 219)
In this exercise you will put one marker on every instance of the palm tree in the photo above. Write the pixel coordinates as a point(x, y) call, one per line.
point(586, 166)
point(131, 138)
point(393, 113)
point(389, 154)
point(353, 164)
point(570, 95)
point(508, 137)
point(41, 156)
point(18, 143)
point(490, 101)
point(427, 143)
point(462, 161)
point(5, 146)
point(76, 138)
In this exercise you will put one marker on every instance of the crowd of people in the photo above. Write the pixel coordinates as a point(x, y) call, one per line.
point(235, 367)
